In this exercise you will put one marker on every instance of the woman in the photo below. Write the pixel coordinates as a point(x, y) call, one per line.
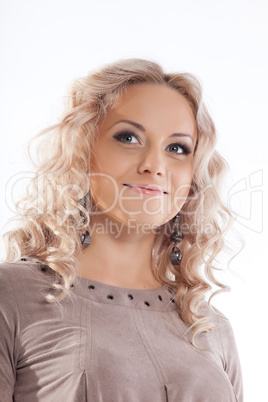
point(103, 292)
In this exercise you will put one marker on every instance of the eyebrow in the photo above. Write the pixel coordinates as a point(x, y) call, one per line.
point(140, 127)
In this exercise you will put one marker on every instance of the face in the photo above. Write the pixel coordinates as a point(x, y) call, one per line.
point(142, 168)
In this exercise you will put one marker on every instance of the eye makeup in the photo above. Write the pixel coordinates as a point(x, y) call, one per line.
point(185, 149)
point(127, 136)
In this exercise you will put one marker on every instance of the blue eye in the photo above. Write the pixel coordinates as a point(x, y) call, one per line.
point(179, 149)
point(126, 137)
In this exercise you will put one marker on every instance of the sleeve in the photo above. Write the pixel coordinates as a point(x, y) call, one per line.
point(231, 359)
point(9, 329)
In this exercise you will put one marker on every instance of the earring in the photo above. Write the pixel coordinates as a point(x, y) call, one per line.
point(176, 237)
point(85, 239)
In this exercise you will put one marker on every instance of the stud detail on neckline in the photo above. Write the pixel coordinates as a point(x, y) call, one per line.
point(44, 268)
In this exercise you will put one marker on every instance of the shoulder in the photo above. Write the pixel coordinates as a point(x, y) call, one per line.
point(216, 316)
point(222, 324)
point(221, 341)
point(21, 278)
point(16, 283)
point(25, 266)
point(222, 336)
point(226, 337)
point(20, 270)
point(23, 290)
point(229, 352)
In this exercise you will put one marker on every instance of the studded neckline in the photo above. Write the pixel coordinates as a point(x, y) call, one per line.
point(159, 299)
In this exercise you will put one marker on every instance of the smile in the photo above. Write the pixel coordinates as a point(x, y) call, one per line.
point(146, 189)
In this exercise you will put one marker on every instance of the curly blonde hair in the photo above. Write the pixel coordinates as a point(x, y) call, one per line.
point(56, 210)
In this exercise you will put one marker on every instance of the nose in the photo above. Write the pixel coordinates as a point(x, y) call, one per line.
point(151, 163)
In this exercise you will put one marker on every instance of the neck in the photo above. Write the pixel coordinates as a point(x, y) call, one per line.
point(118, 255)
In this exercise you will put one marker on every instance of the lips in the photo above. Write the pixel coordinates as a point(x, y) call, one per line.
point(148, 187)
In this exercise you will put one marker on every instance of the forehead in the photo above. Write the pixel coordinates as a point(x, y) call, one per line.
point(154, 105)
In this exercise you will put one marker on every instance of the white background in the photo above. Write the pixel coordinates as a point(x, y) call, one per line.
point(46, 44)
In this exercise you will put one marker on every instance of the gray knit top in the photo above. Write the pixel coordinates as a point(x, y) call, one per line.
point(104, 343)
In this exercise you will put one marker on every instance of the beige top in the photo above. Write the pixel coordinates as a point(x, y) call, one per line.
point(106, 344)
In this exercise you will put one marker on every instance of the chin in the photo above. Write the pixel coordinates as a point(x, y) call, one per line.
point(143, 222)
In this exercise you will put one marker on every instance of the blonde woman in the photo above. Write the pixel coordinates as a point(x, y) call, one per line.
point(103, 294)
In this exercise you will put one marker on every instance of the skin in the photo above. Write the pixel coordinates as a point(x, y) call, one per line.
point(124, 227)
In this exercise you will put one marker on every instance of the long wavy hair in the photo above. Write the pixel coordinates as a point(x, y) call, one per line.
point(58, 203)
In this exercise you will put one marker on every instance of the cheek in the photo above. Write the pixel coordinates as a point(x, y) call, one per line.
point(111, 161)
point(106, 178)
point(103, 190)
point(181, 185)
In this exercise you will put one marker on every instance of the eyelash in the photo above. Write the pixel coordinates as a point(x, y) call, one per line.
point(185, 148)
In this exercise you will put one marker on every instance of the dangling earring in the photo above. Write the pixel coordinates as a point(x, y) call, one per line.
point(85, 239)
point(176, 237)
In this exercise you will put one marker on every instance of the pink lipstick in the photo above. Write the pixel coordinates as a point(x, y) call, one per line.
point(146, 189)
